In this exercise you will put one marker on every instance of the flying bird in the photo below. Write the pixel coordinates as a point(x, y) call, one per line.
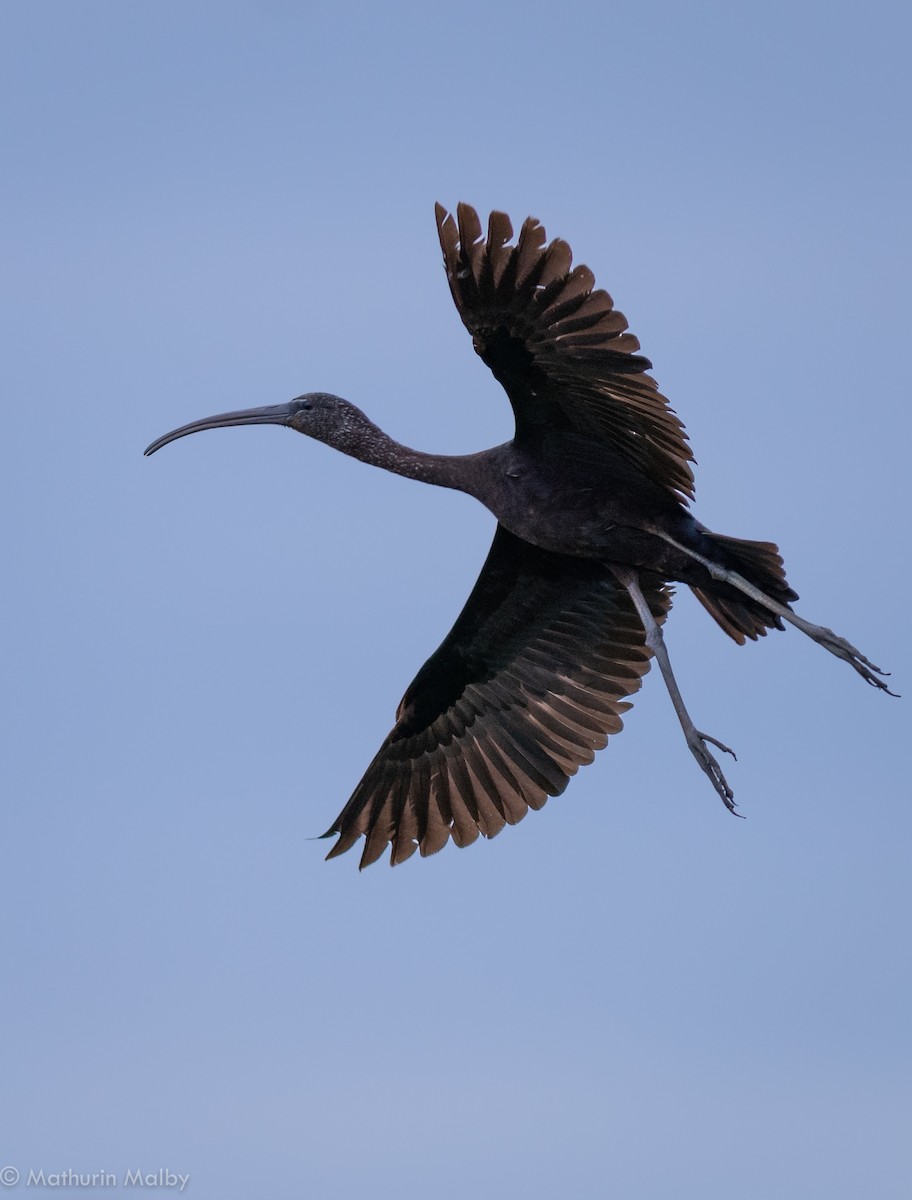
point(591, 500)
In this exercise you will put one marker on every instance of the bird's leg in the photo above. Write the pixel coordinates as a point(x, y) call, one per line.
point(818, 633)
point(695, 739)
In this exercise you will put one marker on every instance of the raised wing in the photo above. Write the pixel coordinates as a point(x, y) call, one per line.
point(526, 687)
point(558, 347)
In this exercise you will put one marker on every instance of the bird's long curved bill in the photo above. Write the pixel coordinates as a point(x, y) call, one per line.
point(273, 414)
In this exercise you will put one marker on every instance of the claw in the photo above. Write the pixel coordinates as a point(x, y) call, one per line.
point(697, 743)
point(848, 653)
point(707, 737)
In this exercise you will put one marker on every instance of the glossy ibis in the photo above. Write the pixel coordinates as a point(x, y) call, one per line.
point(590, 498)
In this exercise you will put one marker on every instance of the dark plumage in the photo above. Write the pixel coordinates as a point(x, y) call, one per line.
point(590, 498)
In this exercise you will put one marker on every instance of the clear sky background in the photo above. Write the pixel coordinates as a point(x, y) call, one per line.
point(208, 206)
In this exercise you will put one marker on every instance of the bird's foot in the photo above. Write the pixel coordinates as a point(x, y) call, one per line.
point(847, 652)
point(697, 742)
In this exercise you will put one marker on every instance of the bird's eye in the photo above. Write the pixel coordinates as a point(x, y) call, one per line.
point(308, 404)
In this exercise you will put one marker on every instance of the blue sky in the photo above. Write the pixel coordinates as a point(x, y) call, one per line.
point(209, 206)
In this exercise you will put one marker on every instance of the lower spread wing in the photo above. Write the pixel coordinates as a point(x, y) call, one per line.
point(528, 684)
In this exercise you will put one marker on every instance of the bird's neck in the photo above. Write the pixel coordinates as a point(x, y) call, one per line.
point(372, 445)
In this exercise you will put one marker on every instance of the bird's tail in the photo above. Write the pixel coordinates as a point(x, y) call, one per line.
point(760, 563)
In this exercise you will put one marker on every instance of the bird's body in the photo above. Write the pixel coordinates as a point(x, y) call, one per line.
point(590, 499)
point(564, 494)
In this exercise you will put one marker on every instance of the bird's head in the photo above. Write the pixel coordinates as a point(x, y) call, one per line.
point(320, 415)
